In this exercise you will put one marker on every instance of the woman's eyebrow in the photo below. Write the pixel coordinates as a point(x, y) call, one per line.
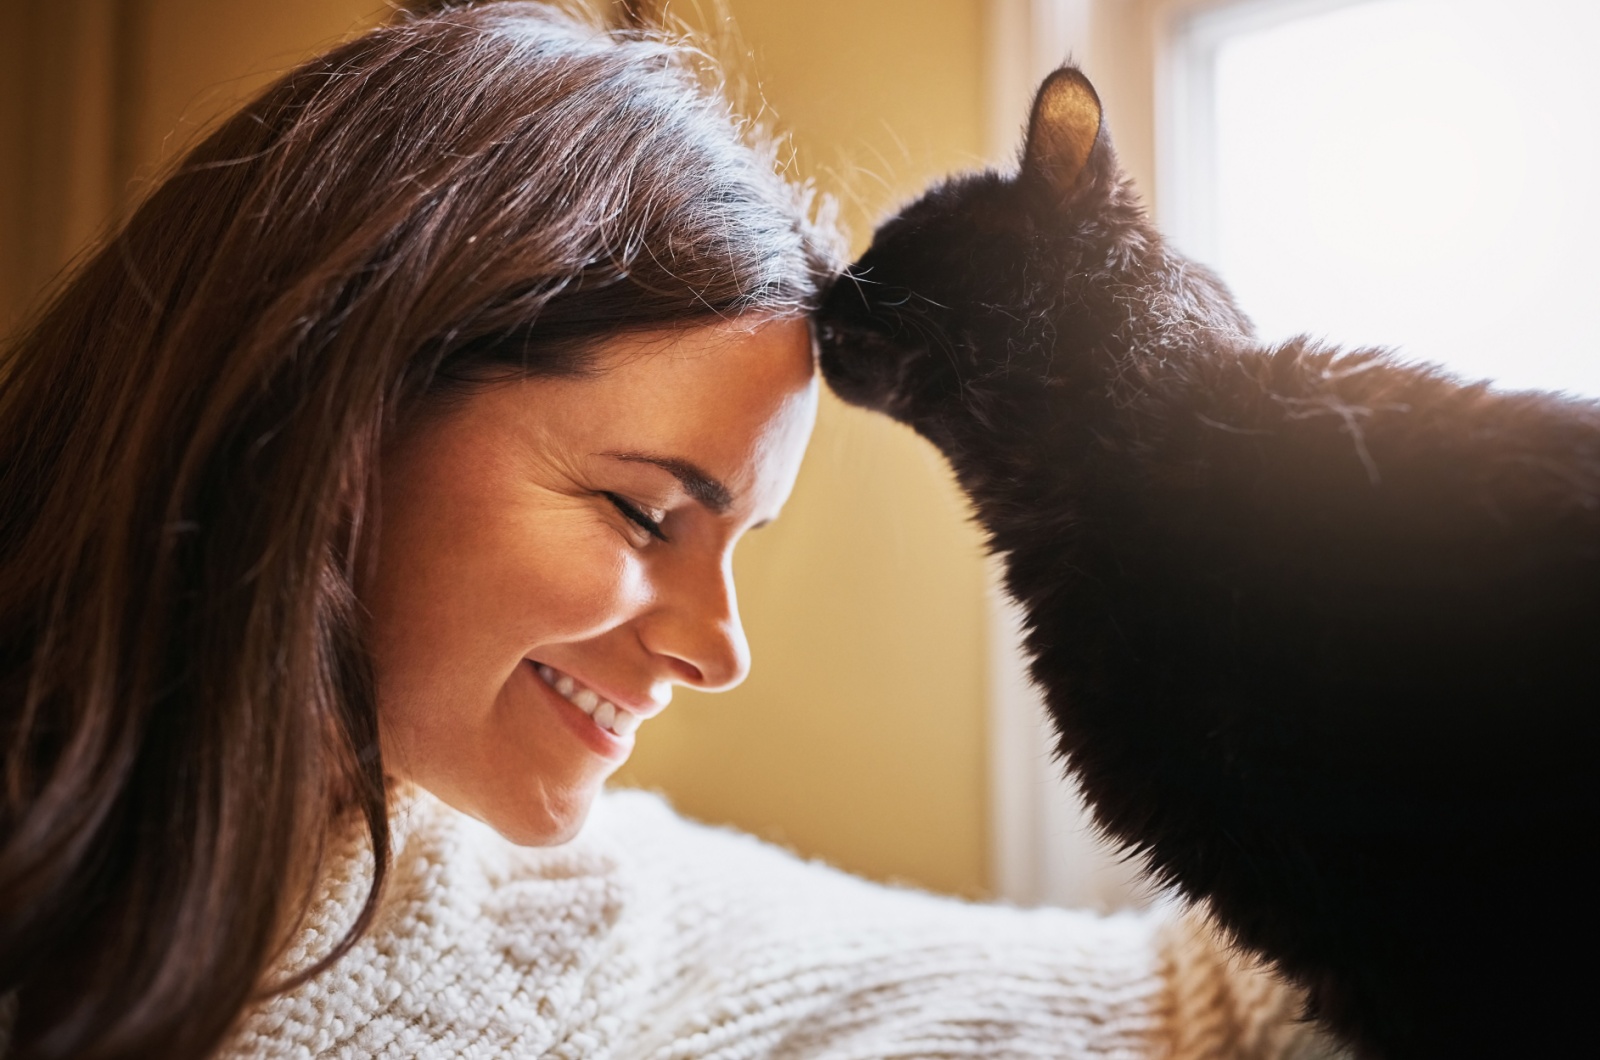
point(696, 483)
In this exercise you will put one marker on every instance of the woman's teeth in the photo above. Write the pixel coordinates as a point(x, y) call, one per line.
point(605, 714)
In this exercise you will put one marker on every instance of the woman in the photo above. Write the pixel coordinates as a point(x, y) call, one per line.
point(382, 475)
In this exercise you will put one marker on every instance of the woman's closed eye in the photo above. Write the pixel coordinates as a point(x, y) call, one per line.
point(646, 521)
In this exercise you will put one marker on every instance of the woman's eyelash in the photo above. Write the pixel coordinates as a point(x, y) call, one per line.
point(636, 515)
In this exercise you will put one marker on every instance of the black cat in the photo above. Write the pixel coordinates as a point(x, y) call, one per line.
point(1320, 631)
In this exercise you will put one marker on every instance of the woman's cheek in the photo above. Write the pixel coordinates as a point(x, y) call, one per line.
point(586, 585)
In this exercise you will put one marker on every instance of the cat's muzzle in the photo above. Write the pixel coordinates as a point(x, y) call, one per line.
point(865, 368)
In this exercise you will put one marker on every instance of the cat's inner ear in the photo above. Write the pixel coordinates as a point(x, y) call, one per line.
point(1062, 131)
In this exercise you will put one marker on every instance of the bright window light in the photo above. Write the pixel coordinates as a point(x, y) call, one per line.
point(1417, 174)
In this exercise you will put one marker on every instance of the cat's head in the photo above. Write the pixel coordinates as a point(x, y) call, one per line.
point(989, 297)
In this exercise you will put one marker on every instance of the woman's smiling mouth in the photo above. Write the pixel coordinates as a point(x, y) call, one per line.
point(606, 715)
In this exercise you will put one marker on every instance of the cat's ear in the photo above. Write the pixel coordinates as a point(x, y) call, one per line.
point(1063, 131)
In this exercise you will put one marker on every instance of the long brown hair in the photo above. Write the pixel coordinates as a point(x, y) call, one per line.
point(189, 441)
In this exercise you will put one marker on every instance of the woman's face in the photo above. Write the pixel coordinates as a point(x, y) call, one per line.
point(554, 555)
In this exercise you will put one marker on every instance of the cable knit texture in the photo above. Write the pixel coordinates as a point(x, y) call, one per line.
point(653, 937)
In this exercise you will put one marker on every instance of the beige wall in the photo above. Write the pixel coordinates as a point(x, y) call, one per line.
point(860, 736)
point(59, 148)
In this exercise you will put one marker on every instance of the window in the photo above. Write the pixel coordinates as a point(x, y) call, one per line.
point(1417, 174)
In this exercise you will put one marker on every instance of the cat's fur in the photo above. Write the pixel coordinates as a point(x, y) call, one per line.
point(1319, 630)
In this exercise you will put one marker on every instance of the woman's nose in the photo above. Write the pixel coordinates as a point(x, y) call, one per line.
point(697, 628)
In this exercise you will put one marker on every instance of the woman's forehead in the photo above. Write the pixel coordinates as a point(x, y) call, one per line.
point(782, 343)
point(724, 410)
point(715, 376)
point(733, 402)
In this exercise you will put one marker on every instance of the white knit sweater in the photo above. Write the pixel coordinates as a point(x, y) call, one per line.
point(652, 937)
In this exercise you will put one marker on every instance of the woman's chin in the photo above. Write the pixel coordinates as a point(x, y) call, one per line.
point(544, 820)
point(539, 815)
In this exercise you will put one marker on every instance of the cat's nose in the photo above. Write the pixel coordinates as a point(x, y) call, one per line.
point(863, 367)
point(855, 354)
